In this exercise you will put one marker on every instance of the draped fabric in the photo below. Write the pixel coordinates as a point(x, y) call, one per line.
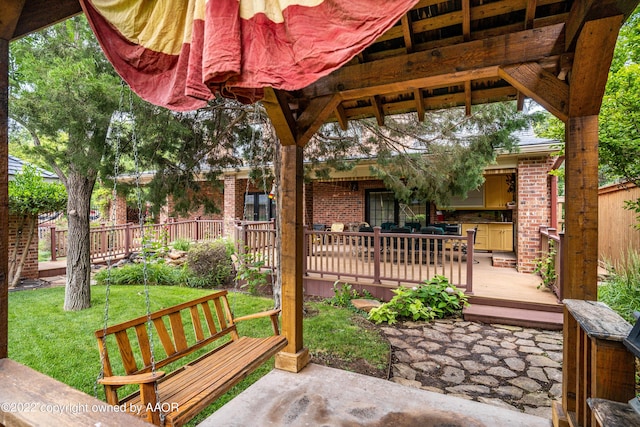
point(179, 54)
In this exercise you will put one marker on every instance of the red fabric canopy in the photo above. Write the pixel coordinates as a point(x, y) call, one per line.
point(179, 54)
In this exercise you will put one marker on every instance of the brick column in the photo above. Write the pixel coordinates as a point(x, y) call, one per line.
point(308, 204)
point(121, 209)
point(533, 208)
point(230, 202)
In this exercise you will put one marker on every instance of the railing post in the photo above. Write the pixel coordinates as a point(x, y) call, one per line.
point(196, 230)
point(305, 249)
point(103, 239)
point(560, 266)
point(376, 254)
point(243, 238)
point(127, 239)
point(469, 288)
point(52, 231)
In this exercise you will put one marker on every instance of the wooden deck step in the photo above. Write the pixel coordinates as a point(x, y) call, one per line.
point(515, 316)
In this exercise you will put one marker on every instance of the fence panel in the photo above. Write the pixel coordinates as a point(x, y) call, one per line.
point(391, 258)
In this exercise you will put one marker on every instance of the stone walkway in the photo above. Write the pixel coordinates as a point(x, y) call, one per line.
point(507, 366)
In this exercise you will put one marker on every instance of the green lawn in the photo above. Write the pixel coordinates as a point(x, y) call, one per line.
point(62, 345)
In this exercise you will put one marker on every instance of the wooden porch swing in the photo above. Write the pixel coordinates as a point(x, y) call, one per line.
point(172, 400)
point(442, 53)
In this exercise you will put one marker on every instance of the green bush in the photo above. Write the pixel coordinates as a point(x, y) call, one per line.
point(210, 264)
point(432, 299)
point(250, 270)
point(621, 291)
point(182, 245)
point(342, 295)
point(133, 274)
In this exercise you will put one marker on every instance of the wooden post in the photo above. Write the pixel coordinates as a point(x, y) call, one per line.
point(294, 357)
point(52, 244)
point(470, 238)
point(127, 239)
point(579, 274)
point(580, 249)
point(376, 254)
point(4, 197)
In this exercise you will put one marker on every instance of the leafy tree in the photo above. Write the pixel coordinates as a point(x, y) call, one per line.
point(29, 196)
point(65, 97)
point(433, 160)
point(64, 93)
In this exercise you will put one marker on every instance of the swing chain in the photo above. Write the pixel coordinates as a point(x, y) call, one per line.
point(111, 247)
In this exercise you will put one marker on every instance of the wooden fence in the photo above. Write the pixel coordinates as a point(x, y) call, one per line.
point(551, 243)
point(377, 258)
point(120, 240)
point(385, 259)
point(617, 236)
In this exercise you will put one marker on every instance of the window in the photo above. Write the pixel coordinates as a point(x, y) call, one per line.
point(382, 206)
point(258, 207)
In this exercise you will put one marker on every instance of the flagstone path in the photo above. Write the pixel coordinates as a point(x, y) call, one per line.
point(507, 366)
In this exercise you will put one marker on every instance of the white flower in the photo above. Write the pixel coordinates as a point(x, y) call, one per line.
point(449, 290)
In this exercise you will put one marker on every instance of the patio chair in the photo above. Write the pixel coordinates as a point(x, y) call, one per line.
point(432, 230)
point(336, 227)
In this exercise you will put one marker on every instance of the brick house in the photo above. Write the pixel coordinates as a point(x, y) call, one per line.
point(30, 269)
point(517, 197)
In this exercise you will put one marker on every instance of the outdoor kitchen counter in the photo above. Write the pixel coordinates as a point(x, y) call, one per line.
point(491, 235)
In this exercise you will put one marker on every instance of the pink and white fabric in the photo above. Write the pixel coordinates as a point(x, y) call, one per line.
point(179, 54)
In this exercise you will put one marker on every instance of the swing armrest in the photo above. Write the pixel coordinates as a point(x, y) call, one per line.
point(145, 378)
point(274, 318)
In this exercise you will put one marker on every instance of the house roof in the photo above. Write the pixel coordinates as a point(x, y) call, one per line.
point(16, 165)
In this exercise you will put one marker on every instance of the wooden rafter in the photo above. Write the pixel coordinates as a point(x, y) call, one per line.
point(419, 100)
point(530, 14)
point(376, 103)
point(407, 32)
point(545, 88)
point(467, 97)
point(466, 20)
point(341, 116)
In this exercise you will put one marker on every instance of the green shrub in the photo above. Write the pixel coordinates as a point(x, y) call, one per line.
point(133, 274)
point(250, 270)
point(210, 264)
point(546, 267)
point(342, 295)
point(432, 299)
point(621, 291)
point(182, 245)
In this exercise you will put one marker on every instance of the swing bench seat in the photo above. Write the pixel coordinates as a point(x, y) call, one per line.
point(177, 397)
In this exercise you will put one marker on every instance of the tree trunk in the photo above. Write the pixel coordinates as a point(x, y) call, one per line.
point(13, 256)
point(30, 222)
point(78, 291)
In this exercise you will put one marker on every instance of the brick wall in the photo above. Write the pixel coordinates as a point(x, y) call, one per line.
point(207, 190)
point(30, 269)
point(338, 202)
point(534, 208)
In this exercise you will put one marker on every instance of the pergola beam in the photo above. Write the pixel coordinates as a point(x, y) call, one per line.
point(440, 66)
point(583, 11)
point(4, 197)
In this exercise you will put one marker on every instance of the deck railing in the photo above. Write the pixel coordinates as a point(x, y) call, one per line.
point(373, 258)
point(120, 240)
point(551, 243)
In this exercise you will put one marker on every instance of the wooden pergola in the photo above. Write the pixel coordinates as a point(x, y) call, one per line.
point(441, 54)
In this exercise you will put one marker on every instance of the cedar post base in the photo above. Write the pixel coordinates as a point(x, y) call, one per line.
point(292, 362)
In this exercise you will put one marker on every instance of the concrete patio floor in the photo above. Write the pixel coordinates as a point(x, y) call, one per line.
point(321, 396)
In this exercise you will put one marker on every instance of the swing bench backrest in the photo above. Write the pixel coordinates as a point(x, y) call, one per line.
point(177, 332)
